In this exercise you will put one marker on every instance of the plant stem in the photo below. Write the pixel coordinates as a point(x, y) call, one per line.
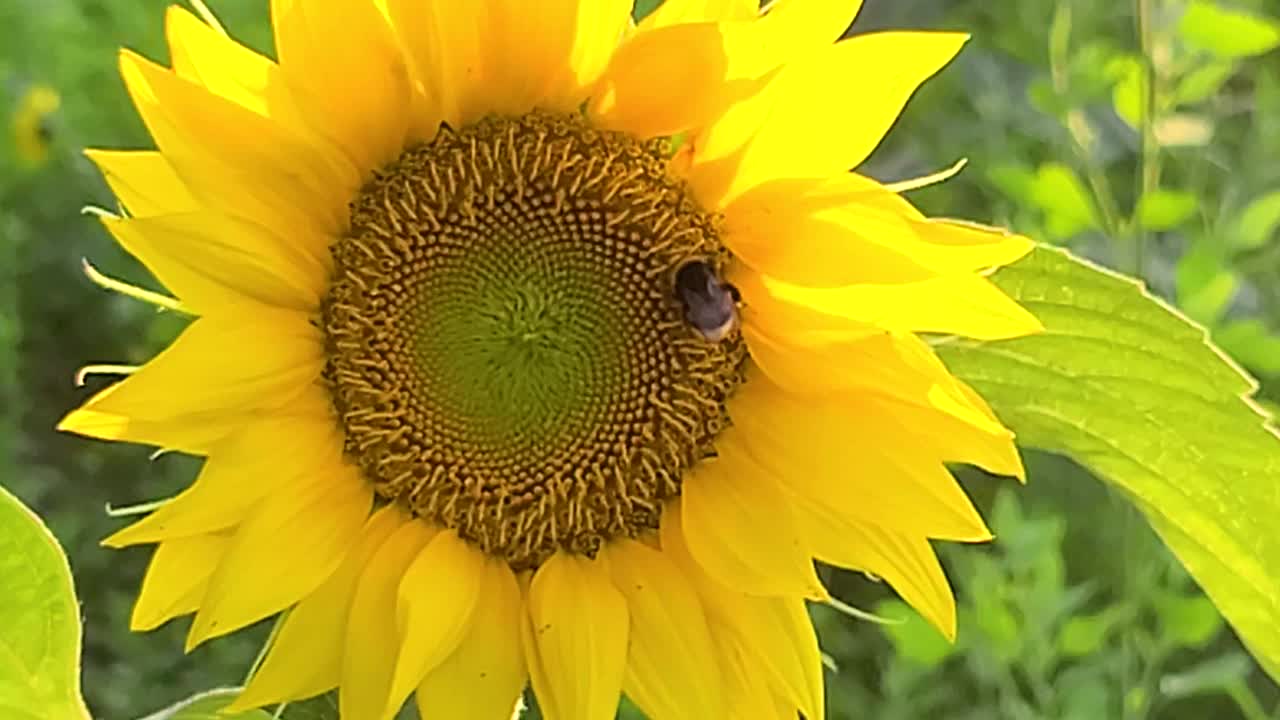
point(1149, 169)
point(266, 646)
point(1077, 126)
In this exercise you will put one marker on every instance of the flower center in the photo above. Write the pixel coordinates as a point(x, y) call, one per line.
point(505, 347)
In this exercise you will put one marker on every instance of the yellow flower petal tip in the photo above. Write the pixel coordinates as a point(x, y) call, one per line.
point(619, 358)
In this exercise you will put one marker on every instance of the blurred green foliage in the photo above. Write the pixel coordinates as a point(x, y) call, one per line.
point(1154, 152)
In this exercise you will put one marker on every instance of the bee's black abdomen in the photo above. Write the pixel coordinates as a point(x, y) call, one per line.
point(710, 305)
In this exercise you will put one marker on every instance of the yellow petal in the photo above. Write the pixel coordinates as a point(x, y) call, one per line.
point(346, 70)
point(284, 364)
point(774, 634)
point(237, 161)
point(953, 438)
point(962, 244)
point(966, 305)
point(276, 452)
point(293, 541)
point(368, 660)
point(305, 657)
point(539, 679)
point(904, 561)
point(579, 624)
point(801, 232)
point(672, 669)
point(672, 79)
point(433, 610)
point(738, 527)
point(847, 229)
point(677, 12)
point(143, 181)
point(177, 578)
point(574, 42)
point(765, 309)
point(811, 131)
point(901, 367)
point(485, 675)
point(194, 437)
point(788, 31)
point(214, 262)
point(230, 70)
point(749, 694)
point(835, 452)
point(446, 42)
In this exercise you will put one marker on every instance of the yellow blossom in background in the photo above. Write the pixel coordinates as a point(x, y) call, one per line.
point(30, 124)
point(534, 346)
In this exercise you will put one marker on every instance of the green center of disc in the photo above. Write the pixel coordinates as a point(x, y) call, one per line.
point(524, 356)
point(504, 346)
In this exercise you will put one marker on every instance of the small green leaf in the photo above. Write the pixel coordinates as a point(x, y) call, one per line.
point(1016, 181)
point(914, 638)
point(1165, 209)
point(643, 8)
point(1250, 342)
point(1203, 82)
point(1127, 94)
point(39, 621)
point(208, 706)
point(1205, 285)
point(1258, 222)
point(1059, 192)
point(1228, 33)
point(1084, 634)
point(1187, 620)
point(1126, 386)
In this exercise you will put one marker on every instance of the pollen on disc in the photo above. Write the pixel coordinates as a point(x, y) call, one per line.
point(503, 345)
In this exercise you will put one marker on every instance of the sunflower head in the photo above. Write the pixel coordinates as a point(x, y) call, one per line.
point(541, 346)
point(505, 348)
point(31, 129)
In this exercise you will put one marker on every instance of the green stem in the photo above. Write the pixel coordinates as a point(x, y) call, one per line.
point(266, 646)
point(1248, 703)
point(1149, 170)
point(1078, 127)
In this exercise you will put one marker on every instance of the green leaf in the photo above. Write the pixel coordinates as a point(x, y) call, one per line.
point(1250, 342)
point(1205, 285)
point(1123, 384)
point(1128, 92)
point(1085, 634)
point(39, 621)
point(1257, 223)
point(1203, 82)
point(1188, 620)
point(1059, 192)
point(208, 706)
point(1165, 209)
point(643, 8)
point(1228, 33)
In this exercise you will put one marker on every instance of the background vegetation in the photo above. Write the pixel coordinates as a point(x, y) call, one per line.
point(1076, 611)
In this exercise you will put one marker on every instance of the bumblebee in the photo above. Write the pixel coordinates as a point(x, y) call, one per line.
point(710, 304)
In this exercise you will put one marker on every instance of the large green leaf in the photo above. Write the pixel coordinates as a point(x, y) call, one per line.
point(1125, 385)
point(39, 621)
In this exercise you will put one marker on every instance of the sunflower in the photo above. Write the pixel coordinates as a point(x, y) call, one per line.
point(30, 124)
point(532, 345)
